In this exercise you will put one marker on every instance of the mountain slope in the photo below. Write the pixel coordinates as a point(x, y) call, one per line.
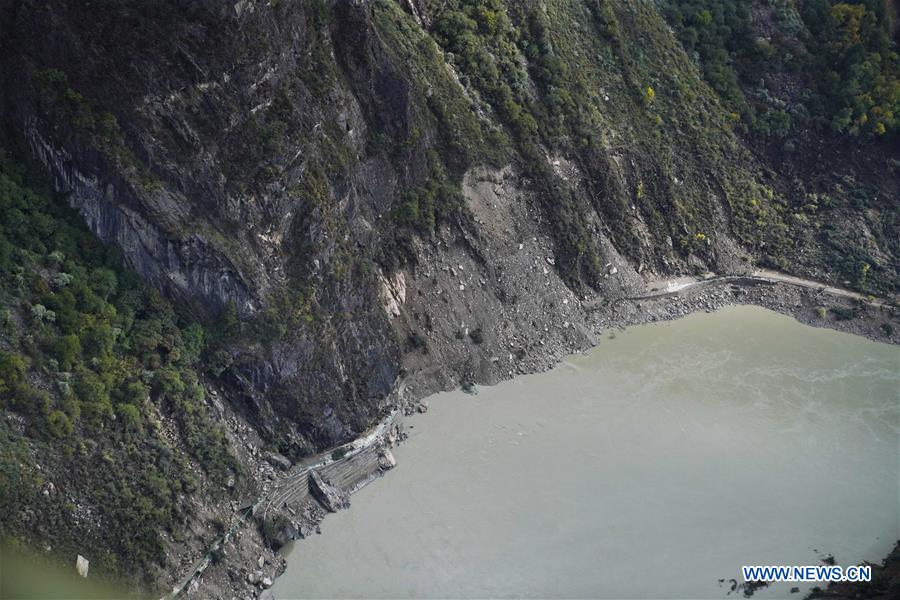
point(346, 193)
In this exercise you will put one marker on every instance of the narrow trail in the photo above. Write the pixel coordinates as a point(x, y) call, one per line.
point(677, 285)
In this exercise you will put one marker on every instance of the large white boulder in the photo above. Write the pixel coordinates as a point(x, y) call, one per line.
point(82, 565)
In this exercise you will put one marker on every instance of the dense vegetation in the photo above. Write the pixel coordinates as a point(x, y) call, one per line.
point(98, 378)
point(547, 72)
point(785, 66)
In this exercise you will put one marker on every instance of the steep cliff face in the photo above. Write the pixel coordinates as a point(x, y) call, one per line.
point(382, 187)
point(287, 159)
point(187, 137)
point(348, 193)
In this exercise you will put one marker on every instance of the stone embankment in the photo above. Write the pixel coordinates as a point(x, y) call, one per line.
point(298, 502)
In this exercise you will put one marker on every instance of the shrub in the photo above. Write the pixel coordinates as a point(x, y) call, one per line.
point(67, 351)
point(12, 373)
point(843, 314)
point(130, 417)
point(417, 341)
point(89, 387)
point(59, 424)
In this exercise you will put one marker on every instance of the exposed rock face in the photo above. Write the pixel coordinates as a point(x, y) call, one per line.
point(326, 170)
point(189, 268)
point(331, 497)
point(183, 180)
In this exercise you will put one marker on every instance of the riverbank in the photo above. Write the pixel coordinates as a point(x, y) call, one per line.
point(247, 565)
point(290, 507)
point(885, 584)
point(810, 303)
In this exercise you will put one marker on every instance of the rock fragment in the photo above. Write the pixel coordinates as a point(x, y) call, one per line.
point(82, 565)
point(331, 497)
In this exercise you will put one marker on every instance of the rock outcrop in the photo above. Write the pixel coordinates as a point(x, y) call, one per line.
point(278, 460)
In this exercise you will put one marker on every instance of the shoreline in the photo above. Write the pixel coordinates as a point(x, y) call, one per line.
point(810, 304)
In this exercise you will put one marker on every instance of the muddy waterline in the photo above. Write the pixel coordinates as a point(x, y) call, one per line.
point(654, 466)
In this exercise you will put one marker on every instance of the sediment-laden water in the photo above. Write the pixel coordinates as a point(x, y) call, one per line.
point(656, 465)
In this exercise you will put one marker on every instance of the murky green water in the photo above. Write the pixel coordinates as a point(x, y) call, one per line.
point(653, 467)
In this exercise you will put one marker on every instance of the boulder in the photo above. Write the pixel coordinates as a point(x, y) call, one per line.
point(331, 497)
point(279, 461)
point(82, 565)
point(386, 459)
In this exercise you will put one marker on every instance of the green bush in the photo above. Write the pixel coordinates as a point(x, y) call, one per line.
point(67, 351)
point(843, 314)
point(130, 417)
point(12, 374)
point(59, 424)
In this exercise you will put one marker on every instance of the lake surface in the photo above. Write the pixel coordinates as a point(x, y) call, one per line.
point(659, 463)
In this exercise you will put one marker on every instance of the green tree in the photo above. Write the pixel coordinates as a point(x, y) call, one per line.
point(67, 351)
point(130, 417)
point(12, 372)
point(59, 424)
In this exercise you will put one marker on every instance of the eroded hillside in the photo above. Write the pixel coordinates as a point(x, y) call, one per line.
point(348, 192)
